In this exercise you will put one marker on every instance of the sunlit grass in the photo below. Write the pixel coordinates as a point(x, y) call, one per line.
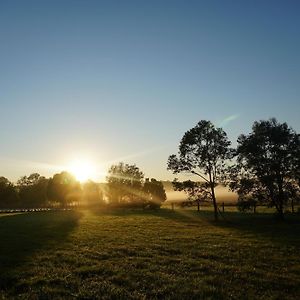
point(143, 254)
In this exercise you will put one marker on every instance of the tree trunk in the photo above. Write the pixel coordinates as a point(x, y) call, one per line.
point(214, 202)
point(212, 188)
point(198, 205)
point(293, 208)
point(280, 200)
point(280, 211)
point(279, 207)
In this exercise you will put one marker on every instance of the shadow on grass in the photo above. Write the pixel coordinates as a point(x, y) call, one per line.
point(264, 226)
point(260, 225)
point(22, 235)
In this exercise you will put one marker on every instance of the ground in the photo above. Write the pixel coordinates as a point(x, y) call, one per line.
point(148, 255)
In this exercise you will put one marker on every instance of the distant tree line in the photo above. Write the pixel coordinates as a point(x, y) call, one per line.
point(126, 187)
point(264, 169)
point(36, 191)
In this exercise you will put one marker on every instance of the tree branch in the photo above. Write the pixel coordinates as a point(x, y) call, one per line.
point(193, 172)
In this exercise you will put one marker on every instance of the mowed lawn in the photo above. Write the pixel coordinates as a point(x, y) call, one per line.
point(148, 255)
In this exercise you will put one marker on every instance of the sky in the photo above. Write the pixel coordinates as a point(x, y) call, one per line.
point(109, 81)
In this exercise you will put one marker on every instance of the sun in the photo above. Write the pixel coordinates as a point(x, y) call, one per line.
point(83, 170)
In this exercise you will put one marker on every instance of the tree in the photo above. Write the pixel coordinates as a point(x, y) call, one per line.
point(64, 189)
point(203, 151)
point(8, 194)
point(197, 191)
point(249, 190)
point(155, 193)
point(33, 190)
point(268, 158)
point(125, 184)
point(92, 194)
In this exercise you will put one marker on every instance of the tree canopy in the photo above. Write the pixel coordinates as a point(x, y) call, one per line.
point(124, 183)
point(92, 195)
point(203, 151)
point(64, 189)
point(155, 193)
point(33, 190)
point(267, 164)
point(9, 197)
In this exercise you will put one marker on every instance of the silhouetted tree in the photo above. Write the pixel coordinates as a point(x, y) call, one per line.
point(64, 189)
point(125, 184)
point(92, 194)
point(8, 194)
point(296, 186)
point(249, 190)
point(155, 193)
point(203, 151)
point(33, 191)
point(267, 164)
point(197, 191)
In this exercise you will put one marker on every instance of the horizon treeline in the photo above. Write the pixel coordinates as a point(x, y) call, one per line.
point(125, 187)
point(264, 169)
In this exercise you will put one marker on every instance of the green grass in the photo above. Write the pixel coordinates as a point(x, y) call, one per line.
point(148, 255)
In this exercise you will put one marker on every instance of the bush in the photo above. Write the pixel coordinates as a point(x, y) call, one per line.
point(244, 205)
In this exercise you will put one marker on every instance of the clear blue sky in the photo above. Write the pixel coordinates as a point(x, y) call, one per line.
point(123, 80)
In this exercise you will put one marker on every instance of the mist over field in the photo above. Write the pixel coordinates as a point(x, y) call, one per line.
point(222, 193)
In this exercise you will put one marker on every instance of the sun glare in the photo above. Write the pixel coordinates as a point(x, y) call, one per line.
point(82, 170)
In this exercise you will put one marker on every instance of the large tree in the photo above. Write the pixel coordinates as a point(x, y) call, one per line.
point(92, 194)
point(268, 162)
point(125, 183)
point(155, 193)
point(203, 151)
point(64, 189)
point(8, 194)
point(33, 190)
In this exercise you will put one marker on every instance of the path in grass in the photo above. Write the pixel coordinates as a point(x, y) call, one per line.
point(137, 255)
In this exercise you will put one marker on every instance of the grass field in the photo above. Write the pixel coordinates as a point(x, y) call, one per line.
point(148, 255)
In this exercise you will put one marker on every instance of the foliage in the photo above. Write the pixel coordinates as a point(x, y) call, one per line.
point(64, 189)
point(33, 191)
point(92, 194)
point(125, 184)
point(196, 191)
point(9, 197)
point(203, 151)
point(155, 193)
point(246, 204)
point(267, 160)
